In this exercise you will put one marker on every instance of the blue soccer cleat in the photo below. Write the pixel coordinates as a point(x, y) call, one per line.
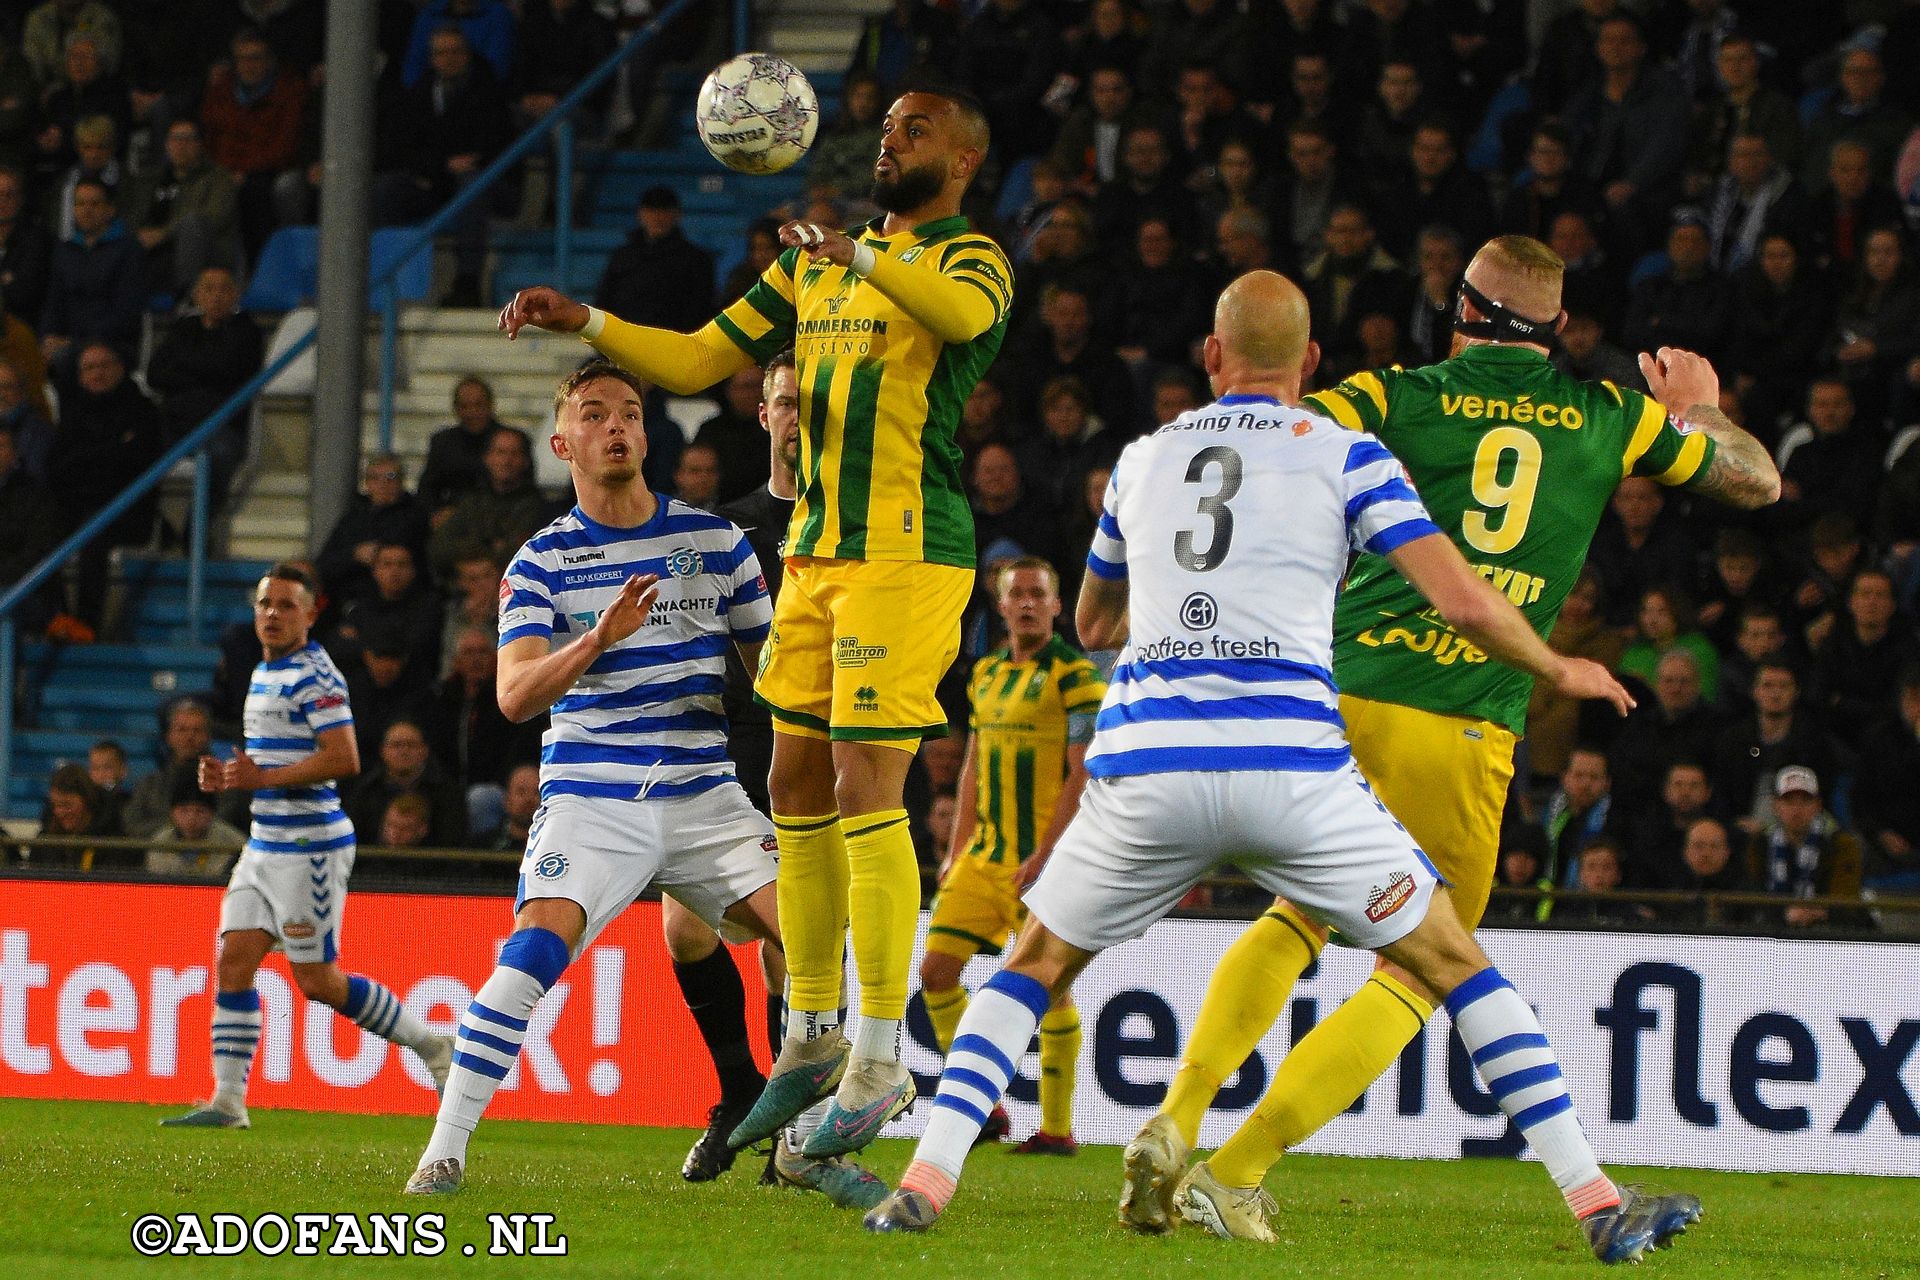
point(1638, 1223)
point(874, 1092)
point(902, 1211)
point(840, 1180)
point(805, 1072)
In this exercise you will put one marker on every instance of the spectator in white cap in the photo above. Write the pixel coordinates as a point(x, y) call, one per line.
point(1803, 853)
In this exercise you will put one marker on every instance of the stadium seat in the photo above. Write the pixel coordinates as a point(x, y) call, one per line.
point(288, 273)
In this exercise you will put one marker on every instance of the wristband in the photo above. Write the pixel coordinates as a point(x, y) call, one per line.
point(863, 260)
point(596, 321)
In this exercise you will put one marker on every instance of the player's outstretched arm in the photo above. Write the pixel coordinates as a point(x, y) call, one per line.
point(683, 363)
point(1101, 614)
point(531, 679)
point(1742, 473)
point(1472, 607)
point(952, 308)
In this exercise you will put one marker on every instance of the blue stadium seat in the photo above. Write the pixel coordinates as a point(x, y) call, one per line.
point(288, 273)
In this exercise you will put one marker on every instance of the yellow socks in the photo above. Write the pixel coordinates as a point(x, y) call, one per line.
point(1326, 1071)
point(1244, 998)
point(885, 908)
point(1059, 1055)
point(944, 1011)
point(813, 911)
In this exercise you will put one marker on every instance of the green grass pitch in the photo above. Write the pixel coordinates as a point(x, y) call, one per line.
point(77, 1175)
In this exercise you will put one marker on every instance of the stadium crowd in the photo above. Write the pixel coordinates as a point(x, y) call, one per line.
point(1741, 179)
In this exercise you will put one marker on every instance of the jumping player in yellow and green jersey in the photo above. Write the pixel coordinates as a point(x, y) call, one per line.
point(1033, 707)
point(1516, 462)
point(891, 326)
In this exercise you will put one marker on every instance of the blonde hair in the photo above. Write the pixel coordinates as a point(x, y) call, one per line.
point(1521, 273)
point(1004, 571)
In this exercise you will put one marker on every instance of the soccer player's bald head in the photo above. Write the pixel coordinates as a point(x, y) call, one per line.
point(1520, 274)
point(1261, 324)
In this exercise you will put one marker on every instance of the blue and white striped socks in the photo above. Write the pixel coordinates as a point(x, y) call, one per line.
point(1519, 1068)
point(372, 1006)
point(236, 1034)
point(992, 1037)
point(490, 1034)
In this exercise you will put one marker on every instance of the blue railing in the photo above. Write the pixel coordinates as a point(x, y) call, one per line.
point(559, 122)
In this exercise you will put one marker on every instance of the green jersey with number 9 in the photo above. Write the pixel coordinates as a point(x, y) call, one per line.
point(1516, 461)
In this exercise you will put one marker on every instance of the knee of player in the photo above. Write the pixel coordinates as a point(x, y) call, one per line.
point(322, 982)
point(689, 940)
point(939, 971)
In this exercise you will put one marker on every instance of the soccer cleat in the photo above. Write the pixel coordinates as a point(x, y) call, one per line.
point(711, 1156)
point(1154, 1161)
point(999, 1124)
point(441, 1178)
point(1638, 1223)
point(873, 1092)
point(1043, 1143)
point(438, 1057)
point(840, 1180)
point(208, 1116)
point(902, 1211)
point(805, 1072)
point(1233, 1213)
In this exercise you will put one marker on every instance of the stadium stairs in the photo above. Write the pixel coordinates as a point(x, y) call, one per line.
point(78, 694)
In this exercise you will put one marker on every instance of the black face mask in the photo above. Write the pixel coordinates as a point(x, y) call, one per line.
point(1497, 323)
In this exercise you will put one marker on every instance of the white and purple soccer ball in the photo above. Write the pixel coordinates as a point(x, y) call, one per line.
point(757, 113)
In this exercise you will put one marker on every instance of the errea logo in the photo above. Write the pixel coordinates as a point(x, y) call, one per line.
point(866, 698)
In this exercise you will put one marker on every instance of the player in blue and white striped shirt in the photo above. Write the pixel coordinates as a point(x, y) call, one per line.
point(289, 888)
point(616, 617)
point(1218, 557)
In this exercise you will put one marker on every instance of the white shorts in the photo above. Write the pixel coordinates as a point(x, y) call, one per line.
point(707, 851)
point(1320, 840)
point(300, 899)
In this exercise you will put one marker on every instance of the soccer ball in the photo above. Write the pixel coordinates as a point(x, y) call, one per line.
point(757, 113)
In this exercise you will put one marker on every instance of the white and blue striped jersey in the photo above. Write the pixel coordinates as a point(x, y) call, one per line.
point(645, 718)
point(1232, 525)
point(290, 702)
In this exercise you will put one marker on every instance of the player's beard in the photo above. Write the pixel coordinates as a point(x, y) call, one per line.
point(790, 454)
point(908, 189)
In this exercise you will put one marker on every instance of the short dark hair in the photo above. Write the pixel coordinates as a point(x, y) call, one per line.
point(111, 747)
point(72, 780)
point(287, 571)
point(592, 371)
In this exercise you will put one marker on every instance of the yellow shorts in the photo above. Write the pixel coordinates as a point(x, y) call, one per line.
point(1445, 777)
point(976, 908)
point(858, 648)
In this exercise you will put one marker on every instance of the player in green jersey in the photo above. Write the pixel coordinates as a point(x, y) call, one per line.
point(1516, 461)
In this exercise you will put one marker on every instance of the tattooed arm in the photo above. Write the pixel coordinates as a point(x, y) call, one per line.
point(1742, 473)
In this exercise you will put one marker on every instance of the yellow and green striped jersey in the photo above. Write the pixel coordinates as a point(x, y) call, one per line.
point(1516, 461)
point(880, 394)
point(1020, 718)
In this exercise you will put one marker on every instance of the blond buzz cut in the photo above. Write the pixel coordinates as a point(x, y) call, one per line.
point(1521, 274)
point(1004, 571)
